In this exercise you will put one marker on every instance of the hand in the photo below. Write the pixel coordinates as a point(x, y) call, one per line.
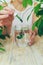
point(6, 17)
point(32, 35)
point(5, 13)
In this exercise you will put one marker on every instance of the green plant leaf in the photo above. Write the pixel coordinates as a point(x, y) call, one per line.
point(39, 25)
point(41, 0)
point(2, 36)
point(4, 1)
point(1, 7)
point(1, 31)
point(1, 44)
point(36, 24)
point(20, 36)
point(36, 8)
point(30, 2)
point(40, 29)
point(24, 3)
point(37, 0)
point(2, 49)
point(40, 12)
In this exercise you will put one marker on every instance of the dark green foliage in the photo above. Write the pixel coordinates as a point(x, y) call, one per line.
point(41, 0)
point(36, 24)
point(1, 30)
point(36, 8)
point(40, 12)
point(40, 29)
point(39, 25)
point(21, 35)
point(4, 36)
point(2, 47)
point(1, 44)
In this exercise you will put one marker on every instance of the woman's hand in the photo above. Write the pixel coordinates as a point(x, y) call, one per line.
point(6, 17)
point(5, 13)
point(32, 36)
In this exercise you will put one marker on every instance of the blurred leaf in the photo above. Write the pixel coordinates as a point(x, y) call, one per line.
point(40, 12)
point(2, 37)
point(1, 44)
point(36, 8)
point(30, 2)
point(1, 31)
point(40, 29)
point(5, 1)
point(41, 0)
point(2, 49)
point(1, 7)
point(24, 3)
point(36, 24)
point(37, 0)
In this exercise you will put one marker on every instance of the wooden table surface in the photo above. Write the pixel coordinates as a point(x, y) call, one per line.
point(22, 55)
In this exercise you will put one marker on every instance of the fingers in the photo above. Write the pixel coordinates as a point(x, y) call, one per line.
point(31, 33)
point(7, 10)
point(4, 12)
point(32, 37)
point(3, 16)
point(32, 40)
point(11, 11)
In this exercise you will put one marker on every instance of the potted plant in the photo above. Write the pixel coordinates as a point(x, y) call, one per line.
point(38, 17)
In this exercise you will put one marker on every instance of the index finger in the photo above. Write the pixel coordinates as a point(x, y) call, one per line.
point(3, 16)
point(11, 11)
